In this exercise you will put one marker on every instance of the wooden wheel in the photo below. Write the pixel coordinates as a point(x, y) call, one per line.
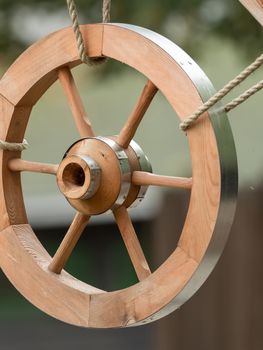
point(99, 174)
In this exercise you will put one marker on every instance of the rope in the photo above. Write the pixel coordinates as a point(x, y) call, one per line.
point(224, 91)
point(106, 11)
point(13, 146)
point(242, 98)
point(79, 38)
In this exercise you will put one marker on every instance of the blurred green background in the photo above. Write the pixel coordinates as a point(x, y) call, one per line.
point(222, 37)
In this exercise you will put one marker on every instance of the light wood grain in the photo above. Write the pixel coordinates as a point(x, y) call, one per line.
point(62, 296)
point(110, 180)
point(132, 243)
point(57, 50)
point(69, 242)
point(177, 89)
point(18, 164)
point(77, 108)
point(12, 125)
point(129, 129)
point(73, 177)
point(141, 178)
point(255, 7)
point(21, 255)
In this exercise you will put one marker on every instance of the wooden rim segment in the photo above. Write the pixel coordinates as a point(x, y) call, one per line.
point(255, 7)
point(213, 192)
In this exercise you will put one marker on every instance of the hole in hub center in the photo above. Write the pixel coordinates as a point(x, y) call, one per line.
point(73, 176)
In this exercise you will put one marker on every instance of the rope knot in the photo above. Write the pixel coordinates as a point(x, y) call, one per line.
point(79, 38)
point(13, 146)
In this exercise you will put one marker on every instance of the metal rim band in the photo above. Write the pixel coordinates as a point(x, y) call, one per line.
point(124, 167)
point(95, 174)
point(145, 165)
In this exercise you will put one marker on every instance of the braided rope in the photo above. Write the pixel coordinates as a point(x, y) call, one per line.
point(79, 38)
point(242, 98)
point(106, 11)
point(13, 146)
point(223, 92)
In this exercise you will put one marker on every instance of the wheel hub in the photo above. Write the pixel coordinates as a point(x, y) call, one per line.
point(95, 175)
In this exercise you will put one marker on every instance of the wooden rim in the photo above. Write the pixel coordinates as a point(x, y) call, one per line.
point(213, 193)
point(255, 7)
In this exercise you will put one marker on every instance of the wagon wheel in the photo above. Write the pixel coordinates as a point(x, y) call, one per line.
point(109, 173)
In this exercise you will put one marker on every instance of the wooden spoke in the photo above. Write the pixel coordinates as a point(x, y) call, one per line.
point(78, 110)
point(132, 243)
point(129, 129)
point(69, 242)
point(142, 178)
point(18, 164)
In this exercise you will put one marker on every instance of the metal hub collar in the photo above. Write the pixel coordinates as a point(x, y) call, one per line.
point(79, 174)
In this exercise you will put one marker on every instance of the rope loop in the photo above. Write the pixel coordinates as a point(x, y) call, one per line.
point(79, 38)
point(13, 146)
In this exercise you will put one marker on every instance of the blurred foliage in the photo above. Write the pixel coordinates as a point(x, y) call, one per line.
point(189, 23)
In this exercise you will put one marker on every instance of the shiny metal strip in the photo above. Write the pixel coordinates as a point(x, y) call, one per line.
point(95, 175)
point(124, 167)
point(145, 165)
